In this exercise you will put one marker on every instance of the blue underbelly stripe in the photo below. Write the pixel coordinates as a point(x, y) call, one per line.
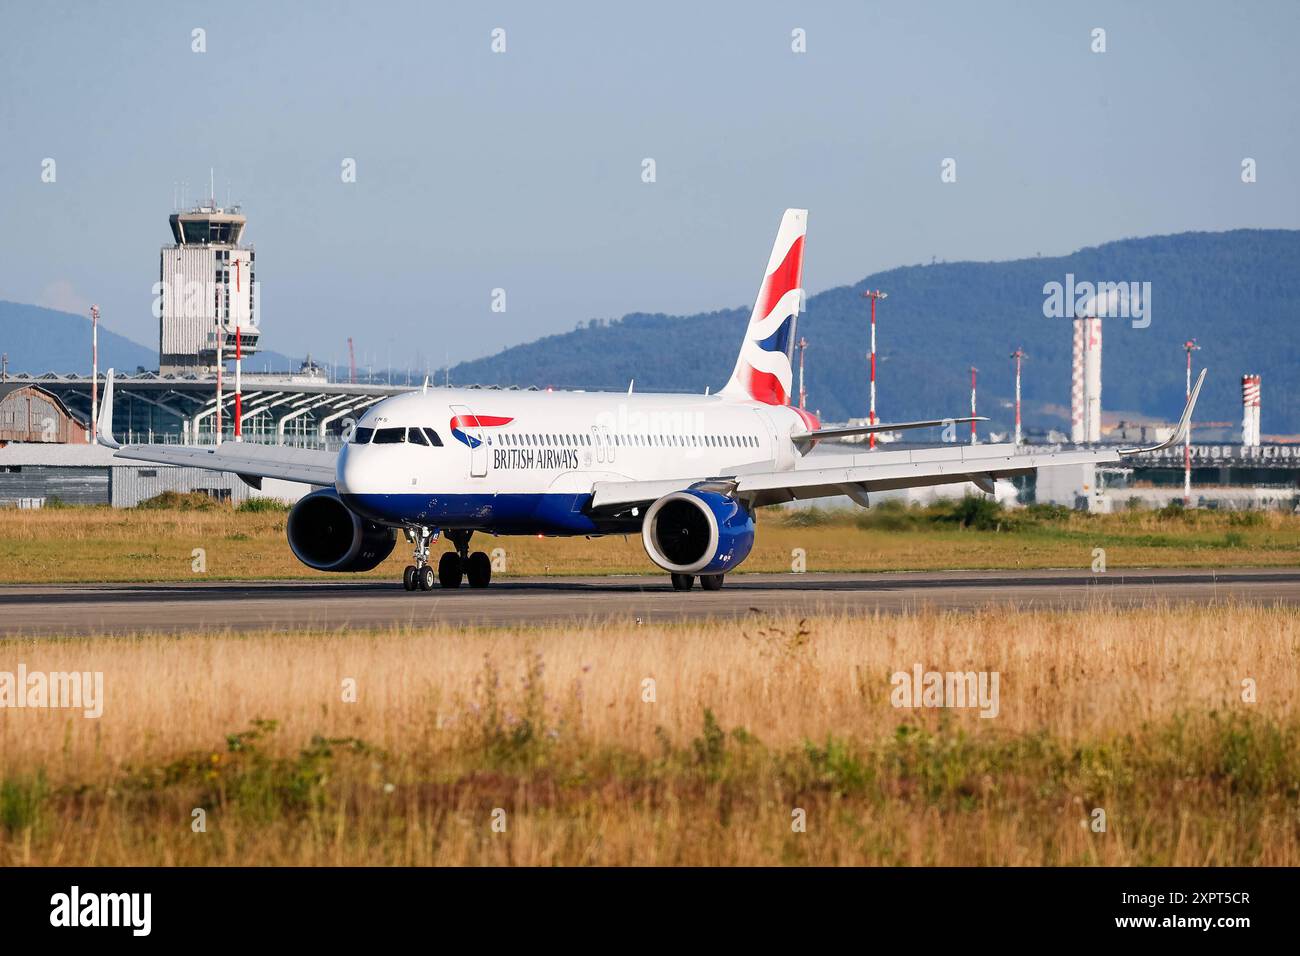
point(507, 513)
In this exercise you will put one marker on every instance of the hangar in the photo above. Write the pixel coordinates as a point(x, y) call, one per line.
point(29, 413)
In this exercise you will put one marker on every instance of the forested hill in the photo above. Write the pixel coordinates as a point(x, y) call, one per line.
point(1237, 293)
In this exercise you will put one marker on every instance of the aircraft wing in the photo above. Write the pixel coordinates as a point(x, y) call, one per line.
point(856, 475)
point(821, 476)
point(252, 462)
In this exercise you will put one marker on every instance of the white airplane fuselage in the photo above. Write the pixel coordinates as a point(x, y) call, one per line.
point(516, 462)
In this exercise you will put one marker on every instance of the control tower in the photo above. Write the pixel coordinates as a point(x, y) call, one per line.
point(208, 289)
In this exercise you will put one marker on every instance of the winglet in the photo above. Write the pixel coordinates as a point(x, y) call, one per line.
point(104, 429)
point(1184, 423)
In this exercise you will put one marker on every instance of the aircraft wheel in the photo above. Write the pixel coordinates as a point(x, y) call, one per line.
point(478, 569)
point(711, 582)
point(683, 582)
point(449, 570)
point(408, 578)
point(424, 578)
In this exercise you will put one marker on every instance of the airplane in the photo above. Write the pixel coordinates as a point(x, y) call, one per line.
point(685, 472)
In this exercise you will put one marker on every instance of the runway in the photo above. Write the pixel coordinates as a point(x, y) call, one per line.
point(75, 610)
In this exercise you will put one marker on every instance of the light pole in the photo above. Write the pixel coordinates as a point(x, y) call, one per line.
point(94, 374)
point(1018, 355)
point(873, 295)
point(973, 370)
point(1189, 346)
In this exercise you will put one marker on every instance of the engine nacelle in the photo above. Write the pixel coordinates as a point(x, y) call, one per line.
point(325, 535)
point(697, 532)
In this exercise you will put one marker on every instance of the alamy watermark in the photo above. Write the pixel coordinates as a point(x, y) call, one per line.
point(55, 690)
point(959, 689)
point(75, 908)
point(1098, 300)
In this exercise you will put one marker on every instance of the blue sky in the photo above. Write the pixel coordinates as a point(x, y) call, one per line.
point(523, 170)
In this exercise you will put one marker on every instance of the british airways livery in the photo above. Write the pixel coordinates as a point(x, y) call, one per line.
point(687, 473)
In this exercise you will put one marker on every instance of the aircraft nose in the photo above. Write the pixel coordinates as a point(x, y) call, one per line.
point(348, 471)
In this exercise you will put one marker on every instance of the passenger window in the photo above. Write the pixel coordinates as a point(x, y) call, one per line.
point(390, 436)
point(362, 436)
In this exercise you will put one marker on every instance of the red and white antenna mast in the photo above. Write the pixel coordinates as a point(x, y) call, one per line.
point(239, 364)
point(221, 362)
point(873, 295)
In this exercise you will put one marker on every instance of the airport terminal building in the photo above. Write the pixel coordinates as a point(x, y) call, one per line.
point(208, 308)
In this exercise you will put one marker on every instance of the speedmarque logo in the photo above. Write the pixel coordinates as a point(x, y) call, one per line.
point(103, 909)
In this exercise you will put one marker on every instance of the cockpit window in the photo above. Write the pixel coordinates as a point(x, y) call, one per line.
point(390, 436)
point(416, 436)
point(362, 436)
point(434, 439)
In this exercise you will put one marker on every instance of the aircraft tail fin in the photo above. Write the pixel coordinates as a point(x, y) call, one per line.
point(763, 369)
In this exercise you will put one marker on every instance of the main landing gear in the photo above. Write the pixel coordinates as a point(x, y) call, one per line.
point(709, 582)
point(458, 565)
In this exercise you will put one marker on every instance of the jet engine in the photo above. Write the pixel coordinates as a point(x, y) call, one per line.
point(697, 532)
point(324, 535)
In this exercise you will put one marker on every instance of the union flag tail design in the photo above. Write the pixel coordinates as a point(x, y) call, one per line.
point(763, 371)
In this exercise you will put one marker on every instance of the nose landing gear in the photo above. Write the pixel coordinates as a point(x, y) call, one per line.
point(419, 576)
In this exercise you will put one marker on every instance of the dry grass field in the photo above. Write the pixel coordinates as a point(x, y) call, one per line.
point(158, 544)
point(552, 734)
